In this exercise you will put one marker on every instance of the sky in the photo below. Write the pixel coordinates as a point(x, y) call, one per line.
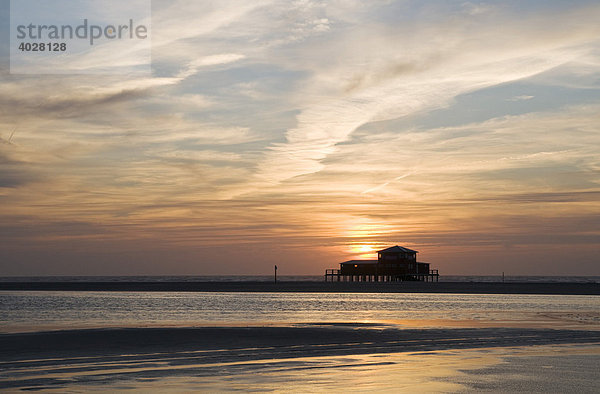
point(306, 133)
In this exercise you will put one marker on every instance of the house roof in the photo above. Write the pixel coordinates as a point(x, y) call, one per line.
point(397, 249)
point(360, 262)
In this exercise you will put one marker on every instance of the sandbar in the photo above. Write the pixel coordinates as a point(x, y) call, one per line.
point(319, 287)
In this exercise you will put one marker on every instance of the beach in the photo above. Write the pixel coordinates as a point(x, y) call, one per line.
point(316, 357)
point(223, 341)
point(230, 344)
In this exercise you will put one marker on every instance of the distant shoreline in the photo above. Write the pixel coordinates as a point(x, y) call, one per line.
point(565, 288)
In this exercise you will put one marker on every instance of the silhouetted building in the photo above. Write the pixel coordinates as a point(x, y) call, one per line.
point(393, 264)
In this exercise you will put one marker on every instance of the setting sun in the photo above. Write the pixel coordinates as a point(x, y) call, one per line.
point(363, 250)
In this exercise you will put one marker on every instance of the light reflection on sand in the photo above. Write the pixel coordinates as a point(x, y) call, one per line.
point(415, 372)
point(325, 357)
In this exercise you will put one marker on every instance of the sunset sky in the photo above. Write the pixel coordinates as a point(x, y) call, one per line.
point(305, 133)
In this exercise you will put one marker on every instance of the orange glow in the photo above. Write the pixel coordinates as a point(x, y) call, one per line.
point(361, 248)
point(369, 230)
point(364, 251)
point(363, 236)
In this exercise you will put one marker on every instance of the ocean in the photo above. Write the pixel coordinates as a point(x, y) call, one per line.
point(30, 310)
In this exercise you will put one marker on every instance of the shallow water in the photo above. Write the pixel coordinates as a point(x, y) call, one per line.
point(31, 311)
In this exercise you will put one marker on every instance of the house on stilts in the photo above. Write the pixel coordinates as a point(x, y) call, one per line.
point(394, 264)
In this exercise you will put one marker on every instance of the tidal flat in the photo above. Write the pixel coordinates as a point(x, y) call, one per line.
point(297, 342)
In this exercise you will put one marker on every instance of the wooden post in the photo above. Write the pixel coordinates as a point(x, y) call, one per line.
point(276, 275)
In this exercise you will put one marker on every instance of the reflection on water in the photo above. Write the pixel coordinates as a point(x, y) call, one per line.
point(540, 369)
point(21, 311)
point(409, 372)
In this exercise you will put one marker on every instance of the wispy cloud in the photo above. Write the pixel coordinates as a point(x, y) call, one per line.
point(418, 74)
point(212, 60)
point(520, 98)
point(376, 188)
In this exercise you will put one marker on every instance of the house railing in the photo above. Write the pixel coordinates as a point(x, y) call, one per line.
point(337, 275)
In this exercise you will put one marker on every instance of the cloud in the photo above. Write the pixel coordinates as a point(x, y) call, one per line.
point(220, 59)
point(520, 98)
point(522, 152)
point(438, 65)
point(379, 187)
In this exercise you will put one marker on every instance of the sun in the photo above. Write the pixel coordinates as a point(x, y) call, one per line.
point(363, 250)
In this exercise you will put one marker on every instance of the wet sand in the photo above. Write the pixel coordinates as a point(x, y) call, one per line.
point(121, 358)
point(305, 340)
point(320, 287)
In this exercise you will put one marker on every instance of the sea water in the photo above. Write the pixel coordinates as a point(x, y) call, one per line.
point(37, 310)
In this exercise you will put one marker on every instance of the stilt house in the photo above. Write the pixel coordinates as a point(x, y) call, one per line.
point(393, 264)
